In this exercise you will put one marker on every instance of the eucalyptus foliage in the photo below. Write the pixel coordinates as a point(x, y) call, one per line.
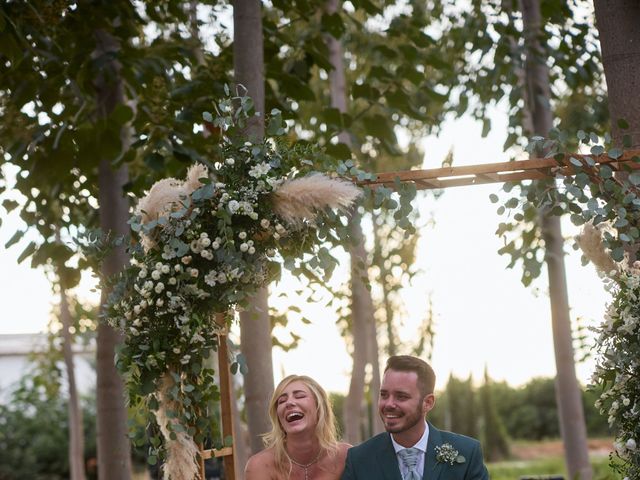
point(208, 256)
point(595, 193)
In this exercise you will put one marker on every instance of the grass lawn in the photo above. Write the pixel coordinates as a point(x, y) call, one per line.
point(546, 458)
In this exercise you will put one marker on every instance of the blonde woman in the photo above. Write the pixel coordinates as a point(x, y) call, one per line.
point(302, 443)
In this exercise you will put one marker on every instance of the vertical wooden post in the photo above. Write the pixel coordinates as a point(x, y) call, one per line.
point(225, 408)
point(225, 396)
point(201, 461)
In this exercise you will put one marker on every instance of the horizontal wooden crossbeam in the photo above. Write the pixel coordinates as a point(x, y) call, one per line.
point(213, 453)
point(533, 169)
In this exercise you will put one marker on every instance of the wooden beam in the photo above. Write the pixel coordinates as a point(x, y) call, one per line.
point(533, 169)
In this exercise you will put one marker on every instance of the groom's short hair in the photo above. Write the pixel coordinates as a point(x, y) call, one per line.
point(408, 363)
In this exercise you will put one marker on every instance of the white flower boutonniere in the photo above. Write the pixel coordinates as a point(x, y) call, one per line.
point(445, 453)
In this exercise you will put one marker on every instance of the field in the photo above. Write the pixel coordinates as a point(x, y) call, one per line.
point(542, 459)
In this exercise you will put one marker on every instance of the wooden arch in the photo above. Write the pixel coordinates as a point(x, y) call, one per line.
point(435, 178)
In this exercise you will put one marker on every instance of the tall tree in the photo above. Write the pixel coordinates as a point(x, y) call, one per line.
point(519, 69)
point(114, 456)
point(495, 440)
point(363, 329)
point(76, 431)
point(617, 23)
point(248, 61)
point(571, 413)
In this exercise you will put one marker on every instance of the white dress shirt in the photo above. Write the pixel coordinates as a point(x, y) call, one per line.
point(420, 445)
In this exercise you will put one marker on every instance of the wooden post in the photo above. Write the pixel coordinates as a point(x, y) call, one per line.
point(225, 407)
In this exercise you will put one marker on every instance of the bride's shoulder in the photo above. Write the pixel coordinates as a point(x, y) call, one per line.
point(342, 449)
point(259, 465)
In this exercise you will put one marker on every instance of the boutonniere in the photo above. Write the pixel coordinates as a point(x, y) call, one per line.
point(445, 453)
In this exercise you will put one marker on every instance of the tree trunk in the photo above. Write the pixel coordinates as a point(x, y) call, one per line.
point(362, 309)
point(76, 431)
point(114, 456)
point(618, 24)
point(568, 392)
point(255, 326)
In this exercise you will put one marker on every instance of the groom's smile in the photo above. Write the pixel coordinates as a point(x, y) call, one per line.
point(401, 406)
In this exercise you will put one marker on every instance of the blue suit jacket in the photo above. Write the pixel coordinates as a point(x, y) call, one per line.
point(376, 459)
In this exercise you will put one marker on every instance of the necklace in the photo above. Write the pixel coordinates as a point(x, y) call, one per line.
point(305, 466)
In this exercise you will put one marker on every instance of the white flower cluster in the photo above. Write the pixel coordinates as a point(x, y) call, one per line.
point(445, 453)
point(618, 367)
point(206, 258)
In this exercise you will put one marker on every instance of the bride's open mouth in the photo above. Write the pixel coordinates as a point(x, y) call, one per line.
point(294, 416)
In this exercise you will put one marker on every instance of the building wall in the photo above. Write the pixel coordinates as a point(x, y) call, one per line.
point(15, 363)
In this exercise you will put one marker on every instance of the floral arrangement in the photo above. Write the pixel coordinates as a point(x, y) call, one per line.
point(205, 244)
point(445, 453)
point(618, 366)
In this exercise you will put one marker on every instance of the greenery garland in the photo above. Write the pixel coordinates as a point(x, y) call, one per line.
point(618, 369)
point(608, 204)
point(218, 241)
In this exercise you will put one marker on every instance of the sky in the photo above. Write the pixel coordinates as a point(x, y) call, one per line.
point(483, 314)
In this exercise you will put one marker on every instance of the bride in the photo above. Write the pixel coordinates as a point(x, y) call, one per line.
point(302, 443)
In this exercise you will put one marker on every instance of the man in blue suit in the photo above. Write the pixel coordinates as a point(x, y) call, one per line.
point(412, 448)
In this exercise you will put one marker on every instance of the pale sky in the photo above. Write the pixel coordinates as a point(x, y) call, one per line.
point(484, 316)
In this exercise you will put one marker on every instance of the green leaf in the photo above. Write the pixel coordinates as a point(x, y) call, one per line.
point(623, 124)
point(15, 238)
point(333, 24)
point(27, 252)
point(614, 153)
point(9, 205)
point(634, 177)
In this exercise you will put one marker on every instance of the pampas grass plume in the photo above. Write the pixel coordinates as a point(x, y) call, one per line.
point(303, 198)
point(181, 462)
point(166, 195)
point(590, 241)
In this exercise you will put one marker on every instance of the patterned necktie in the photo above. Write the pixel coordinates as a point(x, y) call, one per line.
point(410, 458)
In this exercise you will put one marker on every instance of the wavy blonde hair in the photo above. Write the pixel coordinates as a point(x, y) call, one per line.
point(325, 428)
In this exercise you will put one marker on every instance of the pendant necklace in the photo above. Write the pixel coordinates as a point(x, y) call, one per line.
point(305, 466)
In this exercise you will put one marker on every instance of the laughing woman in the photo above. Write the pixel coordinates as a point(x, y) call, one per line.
point(302, 443)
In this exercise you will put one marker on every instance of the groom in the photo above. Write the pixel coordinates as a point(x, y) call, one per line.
point(412, 449)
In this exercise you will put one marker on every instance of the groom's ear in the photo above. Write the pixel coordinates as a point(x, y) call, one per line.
point(428, 402)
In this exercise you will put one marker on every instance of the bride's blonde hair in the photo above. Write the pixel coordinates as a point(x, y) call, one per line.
point(325, 428)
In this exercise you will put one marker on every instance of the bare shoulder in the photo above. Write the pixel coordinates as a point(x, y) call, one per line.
point(342, 449)
point(260, 466)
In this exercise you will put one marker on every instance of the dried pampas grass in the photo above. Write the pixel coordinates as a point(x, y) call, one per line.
point(182, 453)
point(303, 198)
point(590, 241)
point(166, 196)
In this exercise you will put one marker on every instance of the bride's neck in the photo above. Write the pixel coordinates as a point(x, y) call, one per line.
point(302, 449)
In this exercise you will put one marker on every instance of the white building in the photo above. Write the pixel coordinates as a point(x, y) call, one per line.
point(15, 362)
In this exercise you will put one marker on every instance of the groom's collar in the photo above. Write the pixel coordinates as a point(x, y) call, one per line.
point(420, 444)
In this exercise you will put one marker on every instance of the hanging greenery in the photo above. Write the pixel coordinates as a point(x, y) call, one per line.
point(608, 206)
point(203, 246)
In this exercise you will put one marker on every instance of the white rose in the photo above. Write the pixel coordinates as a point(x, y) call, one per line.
point(631, 444)
point(233, 206)
point(244, 247)
point(252, 250)
point(155, 275)
point(229, 161)
point(264, 223)
point(242, 235)
point(165, 269)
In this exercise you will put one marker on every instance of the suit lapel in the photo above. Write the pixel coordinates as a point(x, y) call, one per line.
point(432, 468)
point(387, 459)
